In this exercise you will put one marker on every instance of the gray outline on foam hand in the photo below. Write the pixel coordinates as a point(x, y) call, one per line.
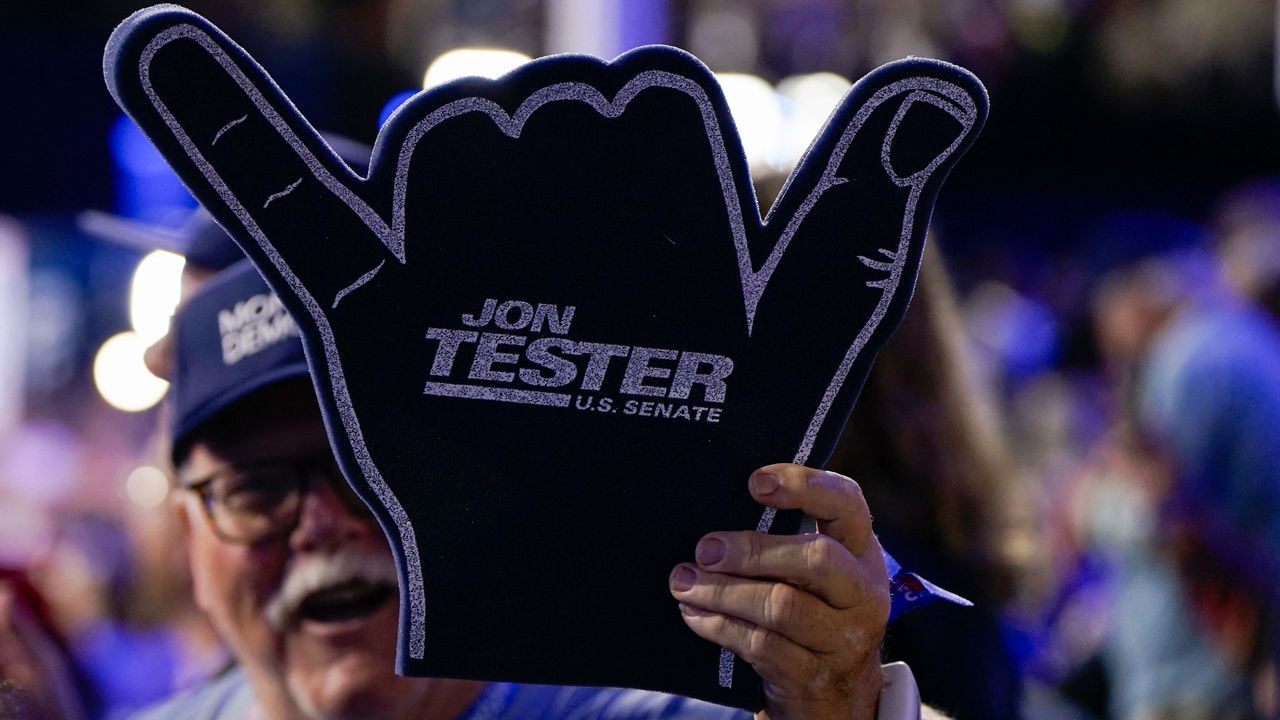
point(944, 95)
point(408, 541)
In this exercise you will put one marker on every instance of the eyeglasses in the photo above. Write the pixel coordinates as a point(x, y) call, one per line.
point(252, 502)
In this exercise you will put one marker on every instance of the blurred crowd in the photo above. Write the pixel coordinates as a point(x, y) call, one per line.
point(1077, 426)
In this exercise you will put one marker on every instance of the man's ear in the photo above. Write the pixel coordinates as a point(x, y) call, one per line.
point(159, 357)
point(186, 506)
point(179, 505)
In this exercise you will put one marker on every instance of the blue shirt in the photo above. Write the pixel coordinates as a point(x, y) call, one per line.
point(1211, 391)
point(229, 697)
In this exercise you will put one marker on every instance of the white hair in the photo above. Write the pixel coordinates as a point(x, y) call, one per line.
point(316, 572)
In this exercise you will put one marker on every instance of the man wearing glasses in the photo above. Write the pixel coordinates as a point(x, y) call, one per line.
point(298, 579)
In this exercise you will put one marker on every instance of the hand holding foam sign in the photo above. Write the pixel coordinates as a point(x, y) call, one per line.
point(551, 333)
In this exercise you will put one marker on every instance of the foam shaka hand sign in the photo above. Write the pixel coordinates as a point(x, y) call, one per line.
point(551, 333)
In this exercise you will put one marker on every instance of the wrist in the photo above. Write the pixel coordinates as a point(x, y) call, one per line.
point(865, 695)
point(883, 692)
point(854, 699)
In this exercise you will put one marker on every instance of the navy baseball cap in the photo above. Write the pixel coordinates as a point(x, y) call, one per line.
point(208, 245)
point(233, 338)
point(200, 239)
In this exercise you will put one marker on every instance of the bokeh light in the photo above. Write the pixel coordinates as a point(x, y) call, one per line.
point(122, 377)
point(394, 104)
point(757, 112)
point(154, 293)
point(808, 100)
point(146, 487)
point(472, 62)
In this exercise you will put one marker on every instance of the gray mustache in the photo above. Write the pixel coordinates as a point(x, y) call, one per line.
point(317, 572)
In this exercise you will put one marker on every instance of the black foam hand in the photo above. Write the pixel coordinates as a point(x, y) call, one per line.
point(551, 333)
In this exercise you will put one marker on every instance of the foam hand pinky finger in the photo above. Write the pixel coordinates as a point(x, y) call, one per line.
point(244, 150)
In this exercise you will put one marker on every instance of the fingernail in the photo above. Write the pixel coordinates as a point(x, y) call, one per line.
point(683, 578)
point(763, 484)
point(710, 551)
point(916, 119)
point(692, 611)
